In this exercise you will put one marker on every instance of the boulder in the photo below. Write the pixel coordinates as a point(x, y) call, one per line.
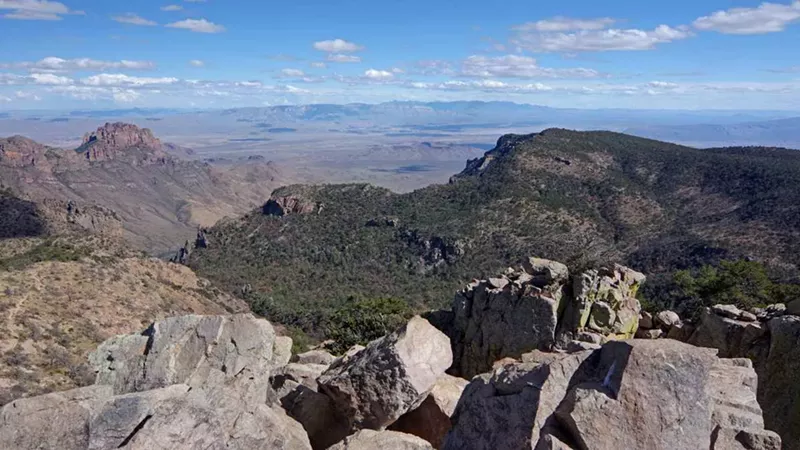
point(390, 377)
point(680, 332)
point(616, 287)
point(315, 412)
point(667, 319)
point(491, 323)
point(736, 415)
point(729, 311)
point(670, 376)
point(649, 334)
point(508, 408)
point(186, 350)
point(733, 338)
point(53, 421)
point(382, 440)
point(431, 420)
point(779, 392)
point(315, 357)
point(282, 351)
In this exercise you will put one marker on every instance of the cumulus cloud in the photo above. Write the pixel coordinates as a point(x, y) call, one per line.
point(55, 64)
point(197, 63)
point(515, 66)
point(340, 58)
point(49, 78)
point(292, 73)
point(134, 19)
point(482, 85)
point(337, 46)
point(197, 26)
point(766, 18)
point(172, 8)
point(560, 24)
point(593, 35)
point(318, 65)
point(118, 79)
point(35, 10)
point(378, 75)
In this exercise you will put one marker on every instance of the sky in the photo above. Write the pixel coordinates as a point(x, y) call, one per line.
point(699, 54)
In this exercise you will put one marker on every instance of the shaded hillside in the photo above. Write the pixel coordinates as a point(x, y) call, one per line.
point(578, 197)
point(159, 198)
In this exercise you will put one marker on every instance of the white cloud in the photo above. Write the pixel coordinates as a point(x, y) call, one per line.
point(482, 85)
point(434, 67)
point(197, 26)
point(766, 18)
point(54, 64)
point(662, 84)
point(398, 70)
point(560, 24)
point(318, 65)
point(49, 78)
point(133, 19)
point(337, 46)
point(35, 10)
point(197, 63)
point(340, 58)
point(4, 99)
point(378, 75)
point(23, 95)
point(591, 36)
point(514, 66)
point(125, 95)
point(292, 73)
point(118, 79)
point(172, 8)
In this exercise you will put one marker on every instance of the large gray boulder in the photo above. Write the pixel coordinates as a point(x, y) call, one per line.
point(431, 420)
point(506, 316)
point(670, 377)
point(733, 338)
point(390, 377)
point(382, 440)
point(510, 407)
point(53, 421)
point(736, 415)
point(186, 350)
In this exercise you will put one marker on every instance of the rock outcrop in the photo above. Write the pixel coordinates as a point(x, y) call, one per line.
point(284, 205)
point(113, 139)
point(653, 394)
point(383, 440)
point(769, 338)
point(539, 307)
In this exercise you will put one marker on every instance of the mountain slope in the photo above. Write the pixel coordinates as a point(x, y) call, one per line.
point(572, 196)
point(159, 198)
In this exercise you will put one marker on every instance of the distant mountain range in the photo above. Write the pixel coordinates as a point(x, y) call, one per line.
point(779, 132)
point(160, 198)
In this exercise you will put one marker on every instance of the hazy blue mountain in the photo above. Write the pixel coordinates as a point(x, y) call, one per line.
point(779, 132)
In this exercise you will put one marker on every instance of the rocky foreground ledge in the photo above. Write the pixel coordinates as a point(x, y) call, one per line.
point(547, 355)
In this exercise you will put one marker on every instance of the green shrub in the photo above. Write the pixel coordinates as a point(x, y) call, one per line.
point(361, 321)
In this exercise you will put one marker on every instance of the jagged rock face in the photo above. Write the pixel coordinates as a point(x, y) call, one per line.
point(19, 151)
point(112, 139)
point(282, 206)
point(390, 377)
point(534, 308)
point(659, 394)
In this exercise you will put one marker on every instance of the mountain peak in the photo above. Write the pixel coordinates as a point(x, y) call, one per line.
point(108, 141)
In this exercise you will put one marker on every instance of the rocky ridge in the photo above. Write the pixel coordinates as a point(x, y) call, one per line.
point(229, 382)
point(113, 140)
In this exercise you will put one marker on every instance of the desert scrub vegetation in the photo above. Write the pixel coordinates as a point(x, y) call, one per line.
point(49, 250)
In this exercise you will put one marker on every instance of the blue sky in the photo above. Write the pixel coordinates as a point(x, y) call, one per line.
point(701, 54)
